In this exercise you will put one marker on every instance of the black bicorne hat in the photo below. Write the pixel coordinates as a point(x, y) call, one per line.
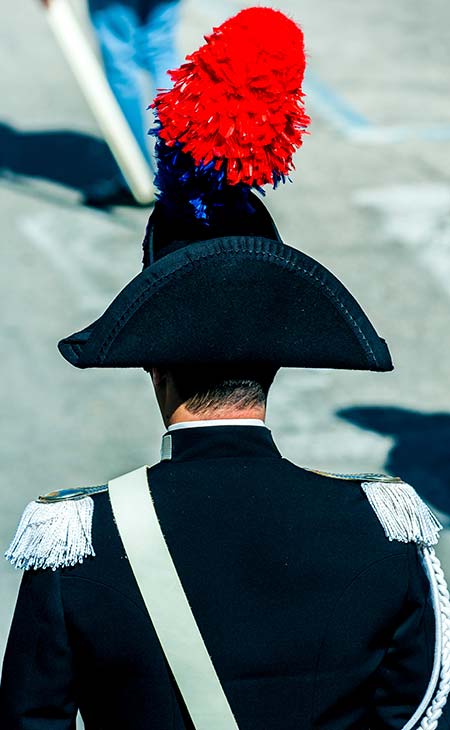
point(237, 299)
point(218, 285)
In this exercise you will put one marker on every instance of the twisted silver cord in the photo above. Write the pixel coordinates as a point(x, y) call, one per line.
point(438, 582)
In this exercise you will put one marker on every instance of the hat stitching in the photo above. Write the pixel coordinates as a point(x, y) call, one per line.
point(133, 306)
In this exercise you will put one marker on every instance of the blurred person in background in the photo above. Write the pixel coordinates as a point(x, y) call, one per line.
point(135, 37)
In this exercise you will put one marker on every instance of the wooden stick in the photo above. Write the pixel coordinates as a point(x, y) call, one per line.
point(102, 102)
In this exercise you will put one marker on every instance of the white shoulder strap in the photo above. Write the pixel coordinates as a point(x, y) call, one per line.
point(167, 604)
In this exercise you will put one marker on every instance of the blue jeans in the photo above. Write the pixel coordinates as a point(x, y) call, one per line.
point(136, 35)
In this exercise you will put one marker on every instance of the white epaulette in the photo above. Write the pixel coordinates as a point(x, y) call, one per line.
point(402, 513)
point(404, 516)
point(55, 531)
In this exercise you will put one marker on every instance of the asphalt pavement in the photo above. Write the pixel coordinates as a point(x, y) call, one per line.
point(370, 199)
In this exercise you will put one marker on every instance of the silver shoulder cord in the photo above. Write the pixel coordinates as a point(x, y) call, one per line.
point(180, 637)
point(433, 703)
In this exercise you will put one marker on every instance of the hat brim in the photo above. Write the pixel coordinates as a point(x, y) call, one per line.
point(232, 300)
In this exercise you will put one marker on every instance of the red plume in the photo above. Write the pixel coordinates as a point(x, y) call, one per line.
point(238, 101)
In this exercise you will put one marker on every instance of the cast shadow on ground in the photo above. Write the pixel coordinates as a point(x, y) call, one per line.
point(420, 454)
point(73, 159)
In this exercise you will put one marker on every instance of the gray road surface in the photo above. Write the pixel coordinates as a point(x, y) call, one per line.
point(370, 199)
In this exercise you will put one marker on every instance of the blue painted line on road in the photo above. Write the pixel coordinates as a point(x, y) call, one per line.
point(392, 134)
point(333, 106)
point(357, 127)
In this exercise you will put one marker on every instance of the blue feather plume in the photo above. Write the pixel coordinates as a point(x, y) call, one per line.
point(187, 190)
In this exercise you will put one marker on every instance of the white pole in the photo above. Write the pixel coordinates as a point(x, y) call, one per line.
point(93, 84)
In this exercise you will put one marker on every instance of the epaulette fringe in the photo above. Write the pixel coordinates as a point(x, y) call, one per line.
point(404, 516)
point(55, 531)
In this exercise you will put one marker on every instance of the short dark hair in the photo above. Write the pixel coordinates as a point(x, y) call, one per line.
point(211, 386)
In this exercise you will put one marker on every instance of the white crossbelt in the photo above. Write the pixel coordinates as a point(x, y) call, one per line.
point(166, 603)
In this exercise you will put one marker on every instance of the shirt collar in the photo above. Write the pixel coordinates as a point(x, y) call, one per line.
point(217, 422)
point(223, 439)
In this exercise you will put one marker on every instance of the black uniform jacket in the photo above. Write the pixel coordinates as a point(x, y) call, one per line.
point(312, 617)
